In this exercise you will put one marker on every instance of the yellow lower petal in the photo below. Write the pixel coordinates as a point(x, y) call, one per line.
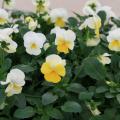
point(52, 77)
point(97, 28)
point(60, 69)
point(114, 45)
point(63, 46)
point(46, 68)
point(13, 89)
point(60, 22)
point(3, 21)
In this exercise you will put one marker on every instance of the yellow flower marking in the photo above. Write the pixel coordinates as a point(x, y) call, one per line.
point(40, 8)
point(3, 21)
point(63, 46)
point(53, 73)
point(114, 45)
point(60, 22)
point(97, 28)
point(28, 19)
point(13, 87)
point(33, 46)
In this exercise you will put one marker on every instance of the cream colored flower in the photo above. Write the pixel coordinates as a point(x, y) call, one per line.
point(42, 6)
point(104, 58)
point(3, 16)
point(53, 68)
point(46, 46)
point(32, 24)
point(114, 40)
point(15, 28)
point(93, 23)
point(93, 42)
point(88, 11)
point(11, 45)
point(9, 4)
point(15, 80)
point(64, 39)
point(46, 17)
point(90, 7)
point(59, 16)
point(33, 42)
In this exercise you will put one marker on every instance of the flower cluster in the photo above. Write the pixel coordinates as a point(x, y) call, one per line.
point(52, 64)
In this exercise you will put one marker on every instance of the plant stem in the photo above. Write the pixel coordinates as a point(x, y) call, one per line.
point(2, 56)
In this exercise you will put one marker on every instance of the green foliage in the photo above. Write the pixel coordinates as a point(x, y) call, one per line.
point(88, 85)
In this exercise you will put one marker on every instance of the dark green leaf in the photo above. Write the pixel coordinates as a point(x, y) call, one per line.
point(71, 106)
point(26, 112)
point(48, 98)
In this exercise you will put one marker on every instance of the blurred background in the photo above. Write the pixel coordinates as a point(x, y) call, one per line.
point(71, 5)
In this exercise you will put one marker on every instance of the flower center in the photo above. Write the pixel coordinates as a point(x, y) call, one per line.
point(63, 46)
point(2, 20)
point(60, 22)
point(33, 46)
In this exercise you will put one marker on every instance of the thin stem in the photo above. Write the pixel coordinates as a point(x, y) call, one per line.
point(2, 56)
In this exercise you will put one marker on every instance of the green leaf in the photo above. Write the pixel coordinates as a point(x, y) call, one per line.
point(24, 113)
point(45, 117)
point(118, 98)
point(94, 68)
point(75, 87)
point(48, 98)
point(54, 113)
point(20, 101)
point(72, 22)
point(85, 95)
point(25, 68)
point(6, 64)
point(102, 15)
point(101, 89)
point(109, 95)
point(71, 106)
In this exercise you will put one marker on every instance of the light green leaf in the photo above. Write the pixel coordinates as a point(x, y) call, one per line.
point(48, 98)
point(71, 106)
point(26, 112)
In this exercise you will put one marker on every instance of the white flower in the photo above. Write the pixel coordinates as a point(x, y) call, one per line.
point(46, 17)
point(11, 46)
point(46, 46)
point(93, 4)
point(9, 4)
point(41, 6)
point(114, 40)
point(93, 23)
point(33, 42)
point(88, 10)
point(16, 80)
point(32, 24)
point(59, 16)
point(104, 58)
point(93, 42)
point(108, 11)
point(64, 39)
point(15, 28)
point(90, 7)
point(3, 16)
